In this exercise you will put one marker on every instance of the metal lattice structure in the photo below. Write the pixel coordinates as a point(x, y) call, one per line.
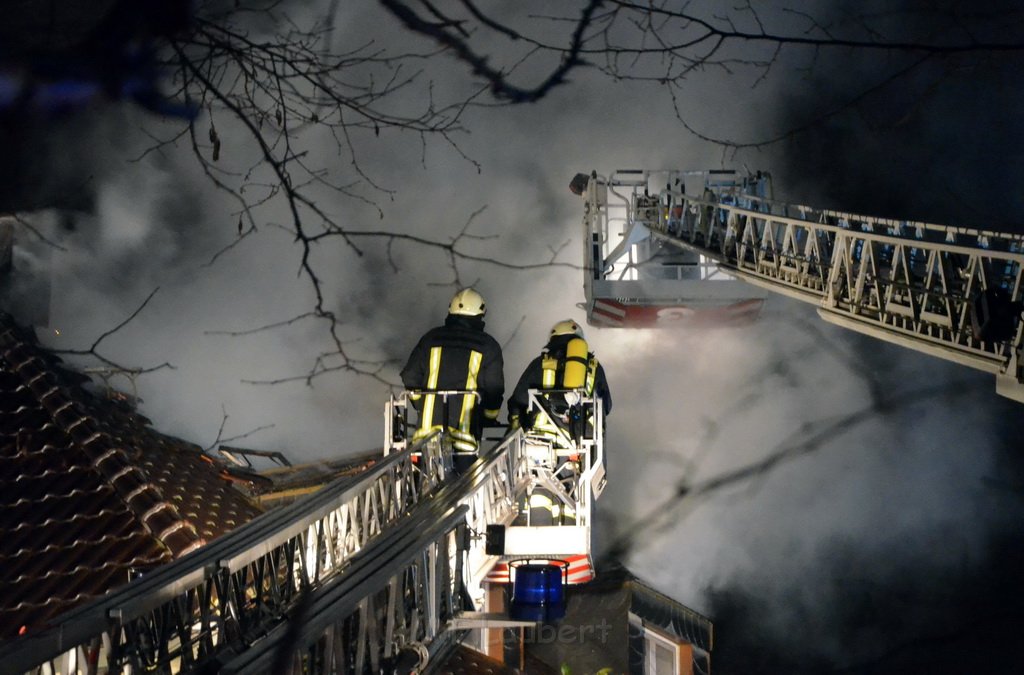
point(951, 292)
point(374, 568)
point(407, 590)
point(506, 477)
point(399, 594)
point(231, 592)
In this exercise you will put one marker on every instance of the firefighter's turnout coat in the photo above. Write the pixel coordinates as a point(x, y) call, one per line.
point(547, 371)
point(458, 355)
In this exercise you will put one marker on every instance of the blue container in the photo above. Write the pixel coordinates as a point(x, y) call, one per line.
point(537, 591)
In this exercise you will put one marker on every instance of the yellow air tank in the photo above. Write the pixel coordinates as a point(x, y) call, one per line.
point(575, 374)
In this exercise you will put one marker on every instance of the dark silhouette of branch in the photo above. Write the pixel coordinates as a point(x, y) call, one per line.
point(221, 440)
point(34, 231)
point(260, 329)
point(664, 45)
point(452, 35)
point(815, 121)
point(256, 69)
point(689, 494)
point(278, 87)
point(707, 30)
point(93, 350)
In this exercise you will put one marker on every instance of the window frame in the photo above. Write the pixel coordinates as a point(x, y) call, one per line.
point(652, 640)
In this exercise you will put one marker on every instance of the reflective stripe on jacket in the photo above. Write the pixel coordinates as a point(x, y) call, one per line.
point(456, 356)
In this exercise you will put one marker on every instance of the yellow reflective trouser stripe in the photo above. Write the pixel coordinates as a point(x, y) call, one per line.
point(429, 400)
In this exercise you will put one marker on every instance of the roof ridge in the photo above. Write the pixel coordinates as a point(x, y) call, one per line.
point(144, 499)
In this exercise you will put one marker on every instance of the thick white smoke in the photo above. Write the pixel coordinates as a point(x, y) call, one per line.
point(901, 483)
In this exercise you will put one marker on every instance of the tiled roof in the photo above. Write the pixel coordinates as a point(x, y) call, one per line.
point(89, 493)
point(670, 615)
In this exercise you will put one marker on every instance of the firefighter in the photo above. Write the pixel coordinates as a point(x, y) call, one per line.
point(457, 356)
point(565, 363)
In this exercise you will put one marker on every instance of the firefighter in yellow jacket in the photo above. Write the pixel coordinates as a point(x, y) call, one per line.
point(457, 356)
point(565, 363)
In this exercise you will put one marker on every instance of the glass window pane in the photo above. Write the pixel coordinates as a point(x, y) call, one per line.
point(664, 660)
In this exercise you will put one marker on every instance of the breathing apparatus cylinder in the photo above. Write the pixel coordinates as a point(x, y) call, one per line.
point(575, 373)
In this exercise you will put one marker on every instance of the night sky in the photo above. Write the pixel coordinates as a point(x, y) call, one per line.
point(893, 546)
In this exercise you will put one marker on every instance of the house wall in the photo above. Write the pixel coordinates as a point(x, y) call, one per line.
point(592, 636)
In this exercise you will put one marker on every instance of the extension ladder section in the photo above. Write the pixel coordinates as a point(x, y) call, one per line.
point(228, 594)
point(951, 292)
point(375, 570)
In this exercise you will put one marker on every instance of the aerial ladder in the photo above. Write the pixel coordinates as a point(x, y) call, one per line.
point(680, 247)
point(380, 572)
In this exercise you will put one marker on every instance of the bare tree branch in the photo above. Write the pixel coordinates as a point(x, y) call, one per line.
point(220, 439)
point(93, 350)
point(444, 32)
point(688, 494)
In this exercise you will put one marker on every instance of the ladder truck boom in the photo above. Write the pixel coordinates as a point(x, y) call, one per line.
point(185, 614)
point(387, 565)
point(952, 292)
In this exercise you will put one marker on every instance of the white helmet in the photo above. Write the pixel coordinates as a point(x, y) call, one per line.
point(467, 302)
point(567, 327)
